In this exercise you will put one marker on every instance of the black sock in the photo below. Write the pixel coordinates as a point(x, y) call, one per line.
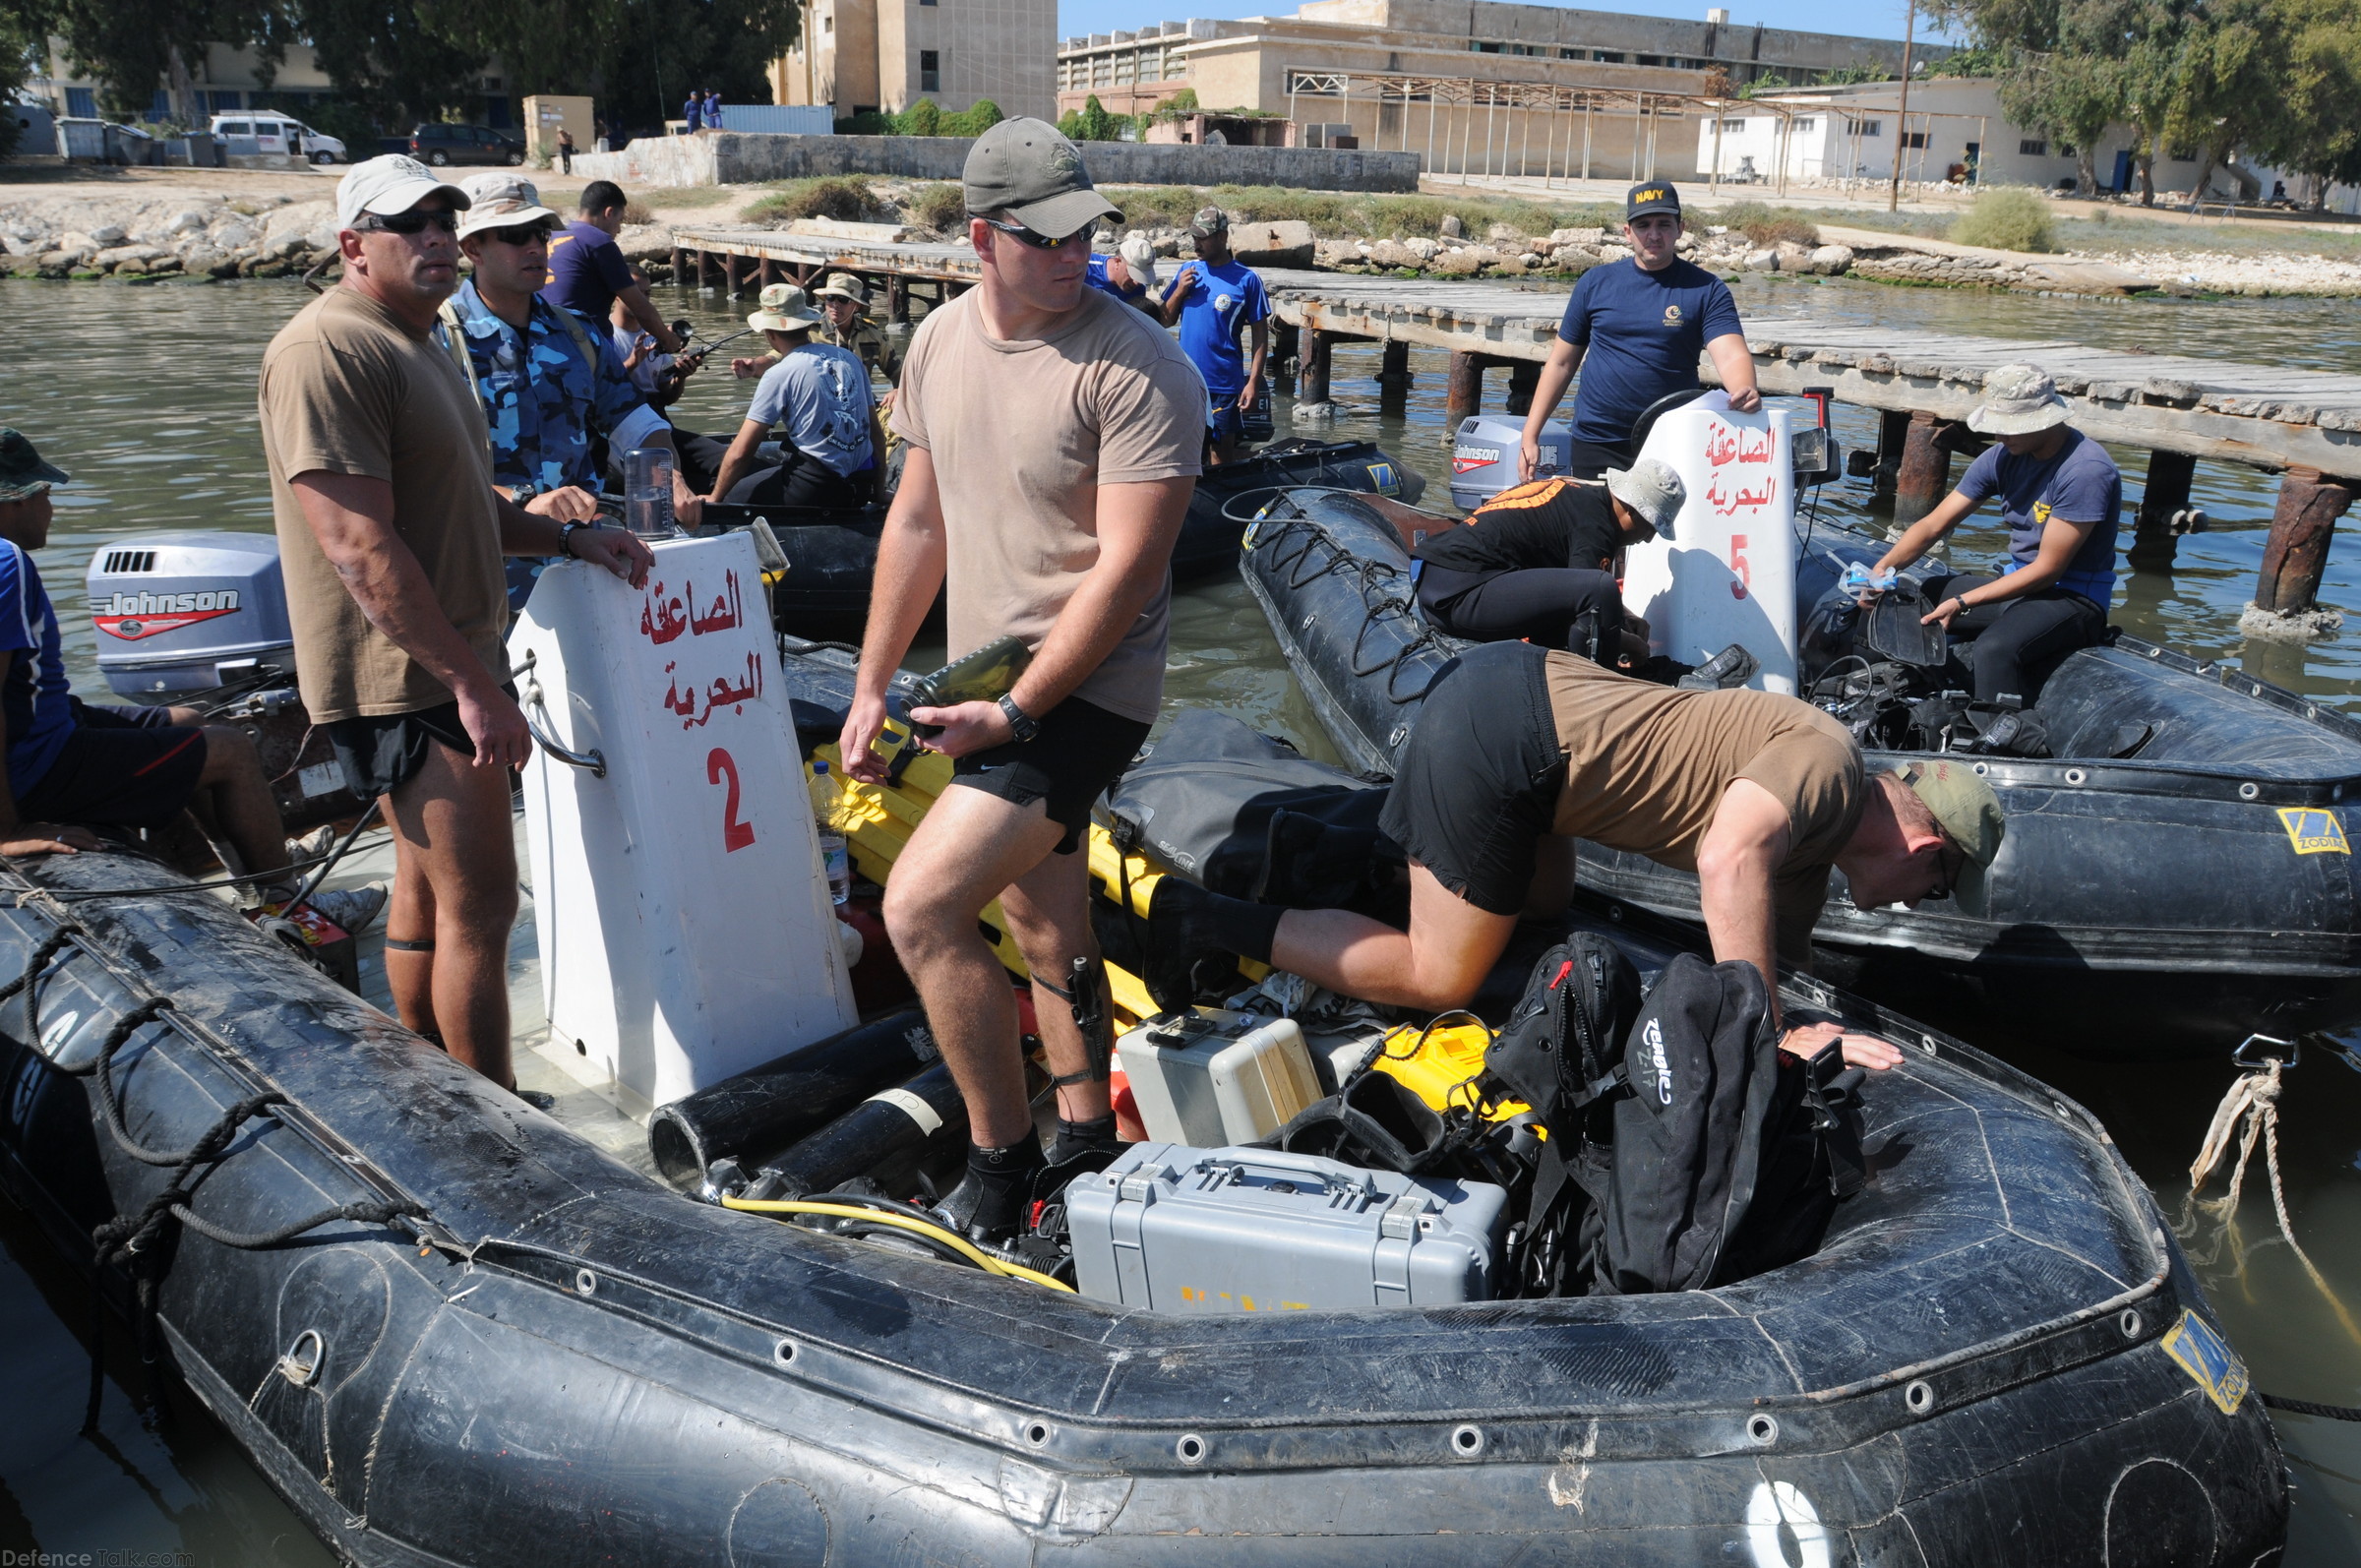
point(1075, 1136)
point(1203, 919)
point(1002, 1180)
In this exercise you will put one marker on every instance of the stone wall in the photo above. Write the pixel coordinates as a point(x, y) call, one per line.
point(730, 158)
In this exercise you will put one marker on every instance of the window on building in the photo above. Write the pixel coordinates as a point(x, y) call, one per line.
point(1478, 46)
point(2065, 150)
point(930, 71)
point(82, 104)
point(1913, 139)
point(1608, 56)
point(1733, 125)
point(2181, 154)
point(827, 23)
point(1864, 126)
point(2032, 146)
point(1569, 54)
point(1651, 59)
point(1807, 125)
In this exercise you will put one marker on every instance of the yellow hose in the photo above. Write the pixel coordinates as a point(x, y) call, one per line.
point(902, 1221)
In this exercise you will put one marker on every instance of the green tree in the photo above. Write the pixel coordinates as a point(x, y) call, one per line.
point(17, 44)
point(1092, 122)
point(974, 120)
point(923, 118)
point(2319, 129)
point(2063, 66)
point(2231, 87)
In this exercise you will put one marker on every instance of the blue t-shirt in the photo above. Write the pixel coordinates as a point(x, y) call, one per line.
point(820, 392)
point(39, 711)
point(586, 270)
point(1217, 305)
point(1640, 333)
point(1097, 278)
point(2081, 484)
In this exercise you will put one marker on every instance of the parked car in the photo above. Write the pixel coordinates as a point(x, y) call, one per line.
point(445, 142)
point(277, 135)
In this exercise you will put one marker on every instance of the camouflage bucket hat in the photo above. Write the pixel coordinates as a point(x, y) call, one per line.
point(22, 474)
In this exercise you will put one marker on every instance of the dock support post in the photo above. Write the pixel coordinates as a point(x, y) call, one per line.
point(1893, 429)
point(1285, 345)
point(1524, 376)
point(2162, 500)
point(1925, 471)
point(2297, 551)
point(1394, 379)
point(1311, 384)
point(1464, 393)
point(897, 298)
point(768, 273)
point(680, 266)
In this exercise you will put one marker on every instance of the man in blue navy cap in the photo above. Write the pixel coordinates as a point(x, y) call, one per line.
point(1635, 329)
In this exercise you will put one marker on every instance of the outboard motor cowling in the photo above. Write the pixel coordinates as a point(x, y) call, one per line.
point(1484, 456)
point(188, 611)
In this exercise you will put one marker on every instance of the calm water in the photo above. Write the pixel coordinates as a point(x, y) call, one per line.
point(148, 397)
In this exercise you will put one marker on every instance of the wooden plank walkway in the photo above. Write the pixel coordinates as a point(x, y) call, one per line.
point(2263, 416)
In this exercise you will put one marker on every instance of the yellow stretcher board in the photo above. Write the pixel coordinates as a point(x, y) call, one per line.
point(1440, 1065)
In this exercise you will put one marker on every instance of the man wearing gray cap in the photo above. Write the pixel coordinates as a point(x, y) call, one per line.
point(2061, 497)
point(1541, 563)
point(1520, 750)
point(1055, 440)
point(390, 537)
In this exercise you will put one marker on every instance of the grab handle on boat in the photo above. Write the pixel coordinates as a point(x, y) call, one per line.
point(594, 761)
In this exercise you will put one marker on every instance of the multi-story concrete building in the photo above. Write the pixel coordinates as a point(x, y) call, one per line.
point(866, 55)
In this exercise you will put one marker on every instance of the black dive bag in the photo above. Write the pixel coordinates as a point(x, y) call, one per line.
point(1704, 1153)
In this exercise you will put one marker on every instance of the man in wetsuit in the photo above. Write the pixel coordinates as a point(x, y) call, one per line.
point(2062, 497)
point(1634, 329)
point(1520, 750)
point(1541, 562)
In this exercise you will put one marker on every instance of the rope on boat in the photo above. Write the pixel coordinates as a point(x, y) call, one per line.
point(2305, 1407)
point(2253, 1101)
point(1382, 596)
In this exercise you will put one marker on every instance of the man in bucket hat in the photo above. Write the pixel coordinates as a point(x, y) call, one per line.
point(1054, 438)
point(548, 383)
point(820, 394)
point(391, 536)
point(1635, 329)
point(1521, 750)
point(843, 299)
point(1541, 562)
point(2061, 497)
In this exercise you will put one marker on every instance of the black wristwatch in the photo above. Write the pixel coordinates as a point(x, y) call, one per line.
point(1020, 725)
point(565, 533)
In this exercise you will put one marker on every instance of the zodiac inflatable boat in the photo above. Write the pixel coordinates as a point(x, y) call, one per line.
point(2168, 901)
point(449, 1329)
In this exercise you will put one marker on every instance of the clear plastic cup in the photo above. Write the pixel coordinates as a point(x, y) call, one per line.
point(647, 493)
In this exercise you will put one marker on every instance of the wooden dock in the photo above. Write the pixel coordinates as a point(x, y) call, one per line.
point(2305, 425)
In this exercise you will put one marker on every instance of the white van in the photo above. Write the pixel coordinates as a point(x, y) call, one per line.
point(260, 133)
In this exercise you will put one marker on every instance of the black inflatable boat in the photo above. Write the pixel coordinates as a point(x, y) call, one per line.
point(2167, 902)
point(449, 1330)
point(831, 555)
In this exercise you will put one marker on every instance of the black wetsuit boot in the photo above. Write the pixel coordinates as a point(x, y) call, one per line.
point(989, 1204)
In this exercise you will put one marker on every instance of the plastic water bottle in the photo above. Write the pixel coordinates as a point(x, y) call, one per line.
point(829, 814)
point(647, 492)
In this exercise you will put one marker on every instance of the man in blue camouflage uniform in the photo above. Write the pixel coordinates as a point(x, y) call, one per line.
point(554, 392)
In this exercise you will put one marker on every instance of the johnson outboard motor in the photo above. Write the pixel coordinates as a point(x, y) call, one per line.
point(187, 612)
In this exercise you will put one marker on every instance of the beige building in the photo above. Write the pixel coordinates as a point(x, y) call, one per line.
point(885, 55)
point(224, 79)
point(1474, 85)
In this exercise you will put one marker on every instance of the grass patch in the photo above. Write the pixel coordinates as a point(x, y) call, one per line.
point(1770, 225)
point(846, 198)
point(679, 196)
point(1347, 216)
point(2008, 217)
point(940, 206)
point(635, 212)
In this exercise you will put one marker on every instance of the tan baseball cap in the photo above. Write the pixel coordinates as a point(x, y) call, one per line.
point(1025, 169)
point(502, 201)
point(387, 186)
point(1970, 814)
point(785, 309)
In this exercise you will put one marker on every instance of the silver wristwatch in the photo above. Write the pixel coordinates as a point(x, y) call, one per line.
point(1020, 724)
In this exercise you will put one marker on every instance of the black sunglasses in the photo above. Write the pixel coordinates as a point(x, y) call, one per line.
point(414, 221)
point(1042, 242)
point(520, 234)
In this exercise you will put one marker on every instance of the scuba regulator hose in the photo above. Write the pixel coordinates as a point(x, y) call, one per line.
point(894, 1218)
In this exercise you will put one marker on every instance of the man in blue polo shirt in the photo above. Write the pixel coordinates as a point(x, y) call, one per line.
point(1635, 329)
point(1215, 299)
point(2061, 497)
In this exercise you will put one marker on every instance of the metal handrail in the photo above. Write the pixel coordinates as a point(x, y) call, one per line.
point(592, 762)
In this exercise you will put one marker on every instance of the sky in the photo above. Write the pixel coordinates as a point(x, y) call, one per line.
point(1868, 19)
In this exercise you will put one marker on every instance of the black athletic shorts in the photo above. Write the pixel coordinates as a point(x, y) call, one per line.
point(1081, 748)
point(1479, 782)
point(381, 753)
point(121, 768)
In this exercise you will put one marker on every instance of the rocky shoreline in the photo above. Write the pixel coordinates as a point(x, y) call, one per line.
point(186, 236)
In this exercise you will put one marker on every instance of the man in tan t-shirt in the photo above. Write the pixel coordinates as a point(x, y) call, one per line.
point(1053, 443)
point(1520, 750)
point(391, 538)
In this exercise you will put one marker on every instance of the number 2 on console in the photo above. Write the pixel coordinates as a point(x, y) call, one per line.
point(734, 834)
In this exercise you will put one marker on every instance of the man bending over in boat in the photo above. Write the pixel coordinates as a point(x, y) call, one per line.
point(549, 381)
point(73, 765)
point(2061, 496)
point(1521, 750)
point(1541, 562)
point(391, 536)
point(1054, 438)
